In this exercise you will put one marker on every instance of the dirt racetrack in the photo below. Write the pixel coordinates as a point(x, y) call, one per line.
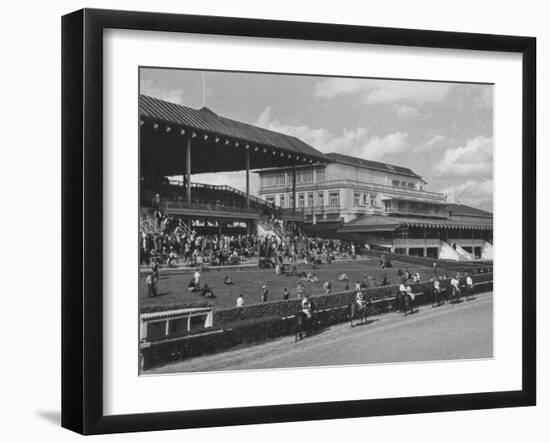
point(452, 331)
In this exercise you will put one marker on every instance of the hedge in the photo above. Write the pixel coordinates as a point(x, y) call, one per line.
point(332, 309)
point(285, 308)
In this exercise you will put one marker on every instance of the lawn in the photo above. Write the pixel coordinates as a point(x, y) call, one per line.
point(172, 289)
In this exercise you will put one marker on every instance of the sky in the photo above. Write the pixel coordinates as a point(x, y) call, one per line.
point(442, 131)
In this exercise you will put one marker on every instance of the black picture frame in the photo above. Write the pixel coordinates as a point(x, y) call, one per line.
point(82, 216)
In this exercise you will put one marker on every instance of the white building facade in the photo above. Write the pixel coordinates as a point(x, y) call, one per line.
point(350, 187)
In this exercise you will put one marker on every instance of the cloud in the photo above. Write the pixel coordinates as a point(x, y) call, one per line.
point(356, 141)
point(477, 193)
point(384, 91)
point(405, 110)
point(148, 87)
point(235, 179)
point(474, 158)
point(435, 141)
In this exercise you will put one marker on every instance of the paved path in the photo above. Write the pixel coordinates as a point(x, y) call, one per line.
point(460, 331)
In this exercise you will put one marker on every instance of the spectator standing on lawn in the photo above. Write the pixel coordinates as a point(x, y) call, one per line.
point(286, 294)
point(327, 287)
point(197, 278)
point(264, 293)
point(240, 301)
point(155, 269)
point(151, 285)
point(300, 290)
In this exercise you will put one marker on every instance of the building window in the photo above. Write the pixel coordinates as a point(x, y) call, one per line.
point(395, 183)
point(320, 175)
point(365, 199)
point(282, 200)
point(291, 201)
point(273, 179)
point(310, 200)
point(306, 176)
point(411, 185)
point(321, 199)
point(373, 199)
point(301, 200)
point(270, 199)
point(334, 199)
point(356, 198)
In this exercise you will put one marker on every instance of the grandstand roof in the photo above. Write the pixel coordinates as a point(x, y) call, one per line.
point(467, 211)
point(372, 223)
point(218, 143)
point(369, 164)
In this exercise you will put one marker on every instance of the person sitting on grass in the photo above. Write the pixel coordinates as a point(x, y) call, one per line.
point(193, 286)
point(312, 278)
point(207, 292)
point(240, 301)
point(227, 280)
point(327, 286)
point(343, 277)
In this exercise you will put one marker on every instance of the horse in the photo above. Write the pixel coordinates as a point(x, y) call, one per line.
point(455, 294)
point(358, 309)
point(408, 304)
point(437, 297)
point(304, 325)
point(404, 302)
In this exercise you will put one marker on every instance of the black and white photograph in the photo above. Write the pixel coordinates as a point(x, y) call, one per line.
point(297, 221)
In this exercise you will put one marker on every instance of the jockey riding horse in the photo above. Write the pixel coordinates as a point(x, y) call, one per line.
point(359, 306)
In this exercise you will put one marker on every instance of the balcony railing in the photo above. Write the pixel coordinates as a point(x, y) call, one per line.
point(355, 183)
point(211, 207)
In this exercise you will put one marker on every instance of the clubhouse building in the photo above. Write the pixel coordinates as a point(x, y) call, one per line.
point(380, 205)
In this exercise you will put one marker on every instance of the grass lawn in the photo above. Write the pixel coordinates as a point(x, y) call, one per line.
point(172, 289)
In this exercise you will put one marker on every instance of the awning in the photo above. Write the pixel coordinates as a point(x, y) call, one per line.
point(373, 223)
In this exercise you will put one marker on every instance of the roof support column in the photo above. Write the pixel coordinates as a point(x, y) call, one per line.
point(294, 188)
point(247, 179)
point(188, 169)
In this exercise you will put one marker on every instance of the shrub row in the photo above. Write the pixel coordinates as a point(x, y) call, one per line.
point(333, 309)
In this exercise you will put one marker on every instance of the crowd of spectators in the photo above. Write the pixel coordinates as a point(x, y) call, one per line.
point(171, 242)
point(167, 240)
